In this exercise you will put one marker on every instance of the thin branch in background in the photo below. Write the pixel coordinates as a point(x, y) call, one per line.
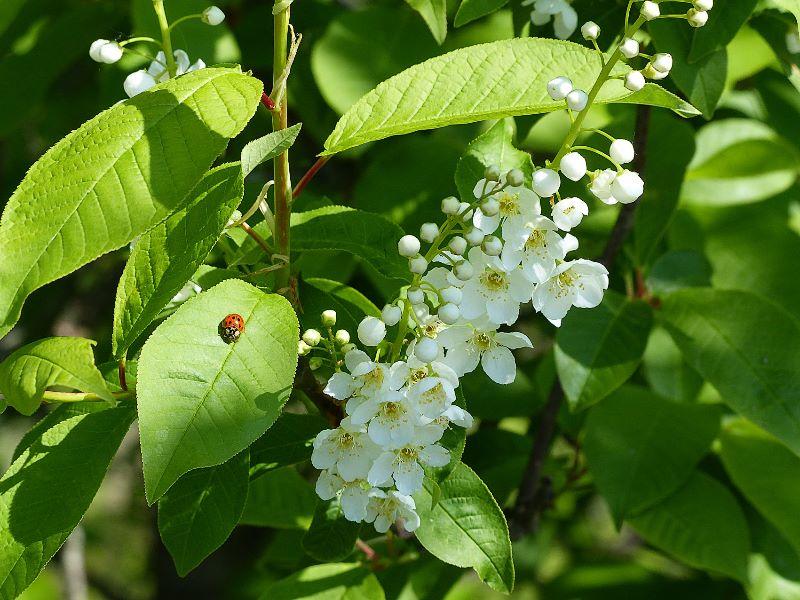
point(258, 239)
point(309, 175)
point(73, 565)
point(531, 501)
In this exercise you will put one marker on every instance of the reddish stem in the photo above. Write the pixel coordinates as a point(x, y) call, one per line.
point(267, 101)
point(309, 175)
point(123, 382)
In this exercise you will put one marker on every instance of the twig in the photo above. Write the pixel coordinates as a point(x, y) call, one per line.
point(530, 501)
point(369, 552)
point(73, 564)
point(258, 239)
point(309, 175)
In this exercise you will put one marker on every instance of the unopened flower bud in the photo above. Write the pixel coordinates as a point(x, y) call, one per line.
point(622, 151)
point(408, 246)
point(492, 173)
point(426, 349)
point(515, 178)
point(464, 271)
point(391, 314)
point(312, 337)
point(417, 265)
point(490, 207)
point(627, 187)
point(452, 295)
point(449, 313)
point(415, 295)
point(650, 73)
point(315, 362)
point(590, 30)
point(421, 311)
point(328, 318)
point(697, 18)
point(492, 245)
point(457, 245)
point(371, 331)
point(474, 236)
point(94, 49)
point(342, 337)
point(662, 62)
point(104, 51)
point(546, 182)
point(213, 15)
point(634, 81)
point(559, 87)
point(629, 48)
point(577, 100)
point(573, 166)
point(450, 205)
point(650, 10)
point(303, 348)
point(703, 5)
point(428, 232)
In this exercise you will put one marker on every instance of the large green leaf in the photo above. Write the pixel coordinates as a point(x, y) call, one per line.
point(739, 161)
point(469, 10)
point(337, 581)
point(598, 350)
point(665, 369)
point(330, 536)
point(766, 472)
point(165, 257)
point(201, 401)
point(115, 177)
point(466, 528)
point(493, 148)
point(748, 348)
point(280, 499)
point(198, 513)
point(268, 147)
point(722, 27)
point(487, 81)
point(434, 13)
point(640, 448)
point(702, 525)
point(49, 486)
point(792, 6)
point(61, 361)
point(288, 442)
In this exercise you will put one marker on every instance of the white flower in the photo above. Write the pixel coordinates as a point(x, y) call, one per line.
point(390, 416)
point(536, 246)
point(213, 15)
point(573, 166)
point(627, 186)
point(385, 508)
point(565, 19)
point(347, 449)
point(696, 18)
point(650, 10)
point(404, 465)
point(513, 200)
point(158, 68)
point(662, 62)
point(432, 396)
point(371, 331)
point(546, 182)
point(138, 82)
point(328, 484)
point(622, 151)
point(578, 283)
point(493, 290)
point(354, 494)
point(413, 370)
point(108, 53)
point(705, 5)
point(426, 349)
point(473, 343)
point(569, 212)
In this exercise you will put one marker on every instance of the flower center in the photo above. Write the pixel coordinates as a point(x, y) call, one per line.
point(345, 440)
point(408, 454)
point(418, 375)
point(494, 280)
point(432, 395)
point(391, 410)
point(567, 279)
point(482, 341)
point(535, 239)
point(374, 379)
point(509, 204)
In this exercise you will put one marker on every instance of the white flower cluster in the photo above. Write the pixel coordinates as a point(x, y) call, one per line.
point(565, 19)
point(109, 52)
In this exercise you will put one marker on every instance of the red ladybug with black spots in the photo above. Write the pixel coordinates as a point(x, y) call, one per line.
point(231, 328)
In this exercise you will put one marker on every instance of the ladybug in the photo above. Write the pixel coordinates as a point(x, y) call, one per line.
point(231, 328)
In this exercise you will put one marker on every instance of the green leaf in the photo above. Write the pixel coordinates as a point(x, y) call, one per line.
point(288, 442)
point(739, 161)
point(493, 148)
point(746, 347)
point(201, 401)
point(678, 269)
point(57, 361)
point(502, 477)
point(792, 6)
point(167, 256)
point(766, 472)
point(487, 81)
point(70, 452)
point(268, 147)
point(598, 350)
point(338, 581)
point(640, 448)
point(280, 499)
point(666, 371)
point(351, 306)
point(330, 537)
point(702, 525)
point(654, 95)
point(115, 177)
point(702, 81)
point(434, 13)
point(469, 10)
point(722, 27)
point(466, 528)
point(199, 512)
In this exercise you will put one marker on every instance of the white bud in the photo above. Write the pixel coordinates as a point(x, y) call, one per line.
point(474, 236)
point(465, 212)
point(428, 232)
point(452, 295)
point(450, 205)
point(662, 62)
point(426, 349)
point(697, 18)
point(629, 48)
point(138, 82)
point(421, 311)
point(546, 182)
point(650, 10)
point(415, 295)
point(312, 337)
point(391, 314)
point(650, 73)
point(622, 151)
point(464, 271)
point(515, 178)
point(559, 87)
point(303, 348)
point(793, 42)
point(110, 53)
point(94, 49)
point(417, 265)
point(634, 81)
point(449, 313)
point(577, 100)
point(573, 166)
point(458, 245)
point(342, 337)
point(213, 15)
point(490, 207)
point(492, 246)
point(328, 318)
point(371, 331)
point(590, 30)
point(703, 5)
point(627, 187)
point(408, 246)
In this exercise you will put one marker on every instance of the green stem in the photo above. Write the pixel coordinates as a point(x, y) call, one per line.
point(166, 40)
point(283, 182)
point(575, 129)
point(185, 18)
point(50, 396)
